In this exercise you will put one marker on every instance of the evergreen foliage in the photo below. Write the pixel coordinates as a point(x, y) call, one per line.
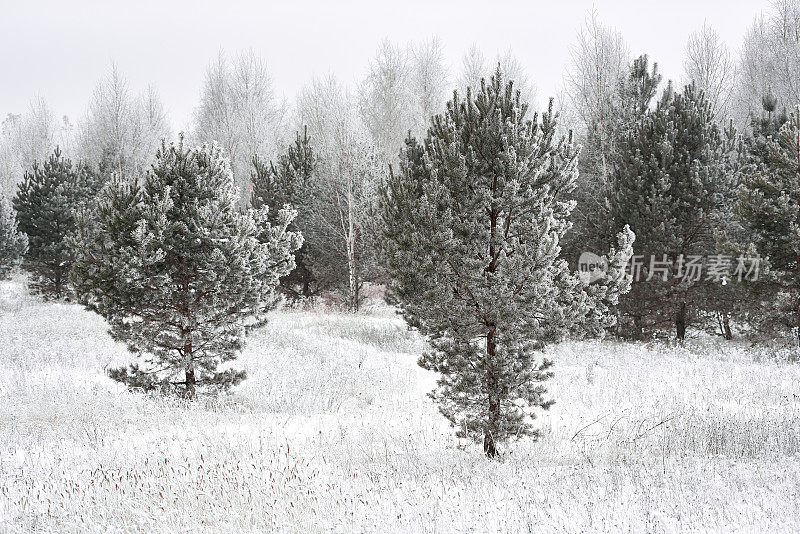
point(178, 272)
point(472, 224)
point(768, 208)
point(47, 202)
point(13, 243)
point(290, 182)
point(670, 183)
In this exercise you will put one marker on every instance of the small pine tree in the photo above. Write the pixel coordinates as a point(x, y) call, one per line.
point(289, 182)
point(178, 272)
point(472, 226)
point(763, 129)
point(47, 201)
point(13, 243)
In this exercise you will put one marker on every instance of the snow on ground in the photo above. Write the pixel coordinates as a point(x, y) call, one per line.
point(332, 432)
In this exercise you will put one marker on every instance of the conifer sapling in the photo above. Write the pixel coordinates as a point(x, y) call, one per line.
point(13, 243)
point(47, 202)
point(473, 222)
point(178, 272)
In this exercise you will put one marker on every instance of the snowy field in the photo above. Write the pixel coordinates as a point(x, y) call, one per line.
point(332, 432)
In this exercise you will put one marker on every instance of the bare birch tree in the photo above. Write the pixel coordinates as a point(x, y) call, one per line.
point(25, 138)
point(386, 102)
point(122, 130)
point(428, 80)
point(240, 111)
point(599, 60)
point(708, 64)
point(475, 67)
point(340, 231)
point(593, 87)
point(769, 62)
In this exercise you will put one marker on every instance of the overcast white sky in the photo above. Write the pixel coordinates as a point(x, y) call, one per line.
point(60, 49)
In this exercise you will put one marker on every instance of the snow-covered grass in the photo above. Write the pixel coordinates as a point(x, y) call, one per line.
point(333, 432)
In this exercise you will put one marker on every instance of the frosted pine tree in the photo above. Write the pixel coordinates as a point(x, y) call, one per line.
point(178, 272)
point(13, 243)
point(768, 207)
point(671, 183)
point(46, 203)
point(473, 222)
point(290, 181)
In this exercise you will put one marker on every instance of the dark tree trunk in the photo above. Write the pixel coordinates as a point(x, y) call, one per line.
point(489, 447)
point(680, 322)
point(726, 326)
point(489, 443)
point(191, 381)
point(58, 283)
point(306, 291)
point(357, 295)
point(490, 433)
point(303, 271)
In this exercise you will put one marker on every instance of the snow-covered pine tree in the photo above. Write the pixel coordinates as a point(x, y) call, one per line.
point(290, 182)
point(47, 201)
point(613, 118)
point(669, 181)
point(768, 208)
point(178, 272)
point(763, 128)
point(13, 243)
point(473, 221)
point(723, 302)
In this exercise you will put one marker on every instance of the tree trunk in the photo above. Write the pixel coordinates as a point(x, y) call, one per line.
point(489, 443)
point(489, 447)
point(191, 381)
point(726, 326)
point(354, 275)
point(306, 279)
point(357, 294)
point(796, 356)
point(680, 322)
point(58, 283)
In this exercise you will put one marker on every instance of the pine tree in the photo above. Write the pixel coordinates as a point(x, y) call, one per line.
point(763, 128)
point(728, 298)
point(473, 221)
point(768, 208)
point(669, 181)
point(178, 272)
point(290, 182)
point(13, 243)
point(46, 203)
point(592, 225)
